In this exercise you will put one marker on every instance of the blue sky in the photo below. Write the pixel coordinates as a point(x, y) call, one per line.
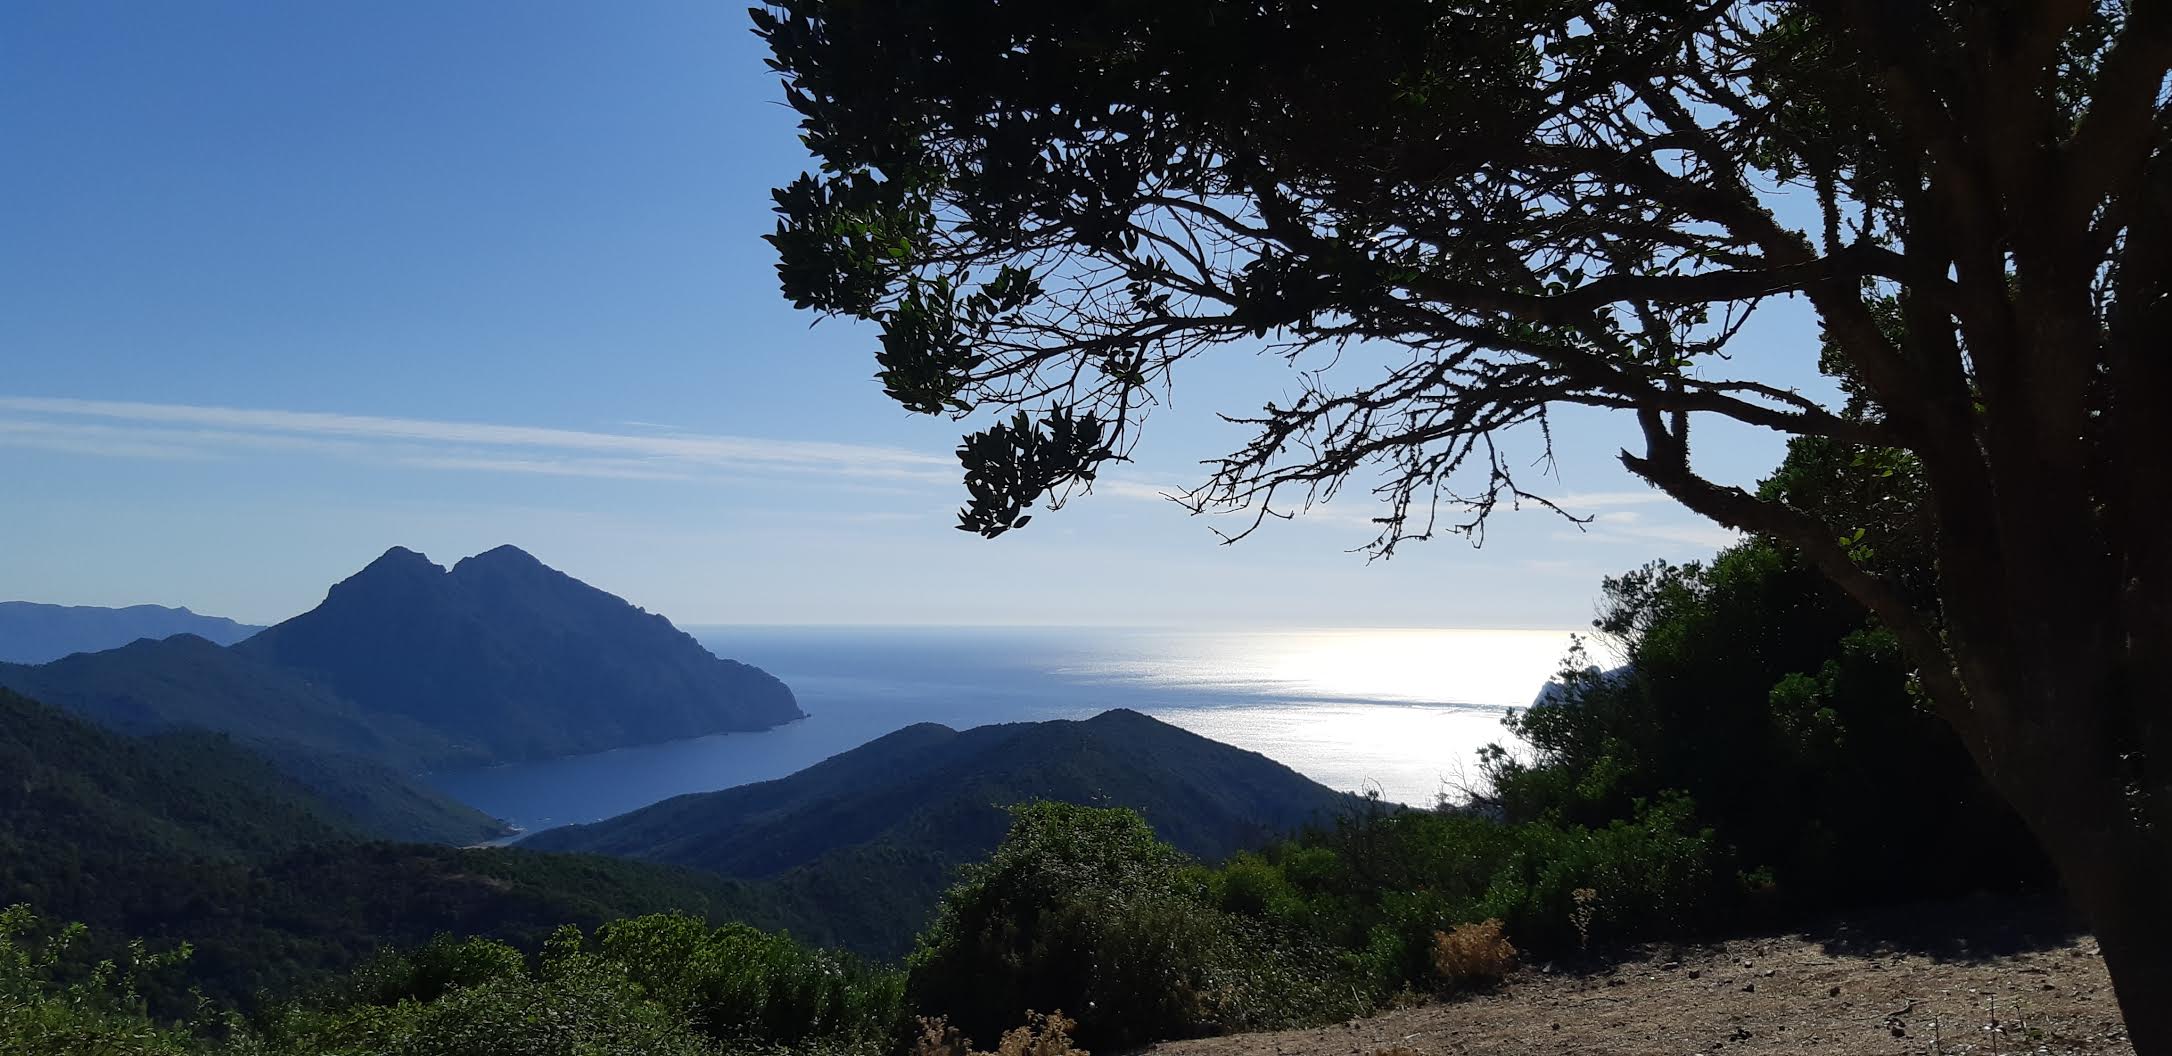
point(284, 285)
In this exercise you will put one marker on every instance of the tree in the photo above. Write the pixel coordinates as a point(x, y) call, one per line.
point(1517, 205)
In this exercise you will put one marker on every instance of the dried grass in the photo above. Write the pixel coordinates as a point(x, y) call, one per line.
point(1042, 1035)
point(1473, 954)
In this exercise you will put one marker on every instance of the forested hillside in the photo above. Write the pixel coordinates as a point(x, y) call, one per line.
point(191, 836)
point(185, 684)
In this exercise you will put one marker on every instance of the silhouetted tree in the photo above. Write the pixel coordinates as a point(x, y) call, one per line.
point(1513, 205)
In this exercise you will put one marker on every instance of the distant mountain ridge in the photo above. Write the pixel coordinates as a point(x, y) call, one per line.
point(518, 660)
point(877, 831)
point(36, 633)
point(407, 666)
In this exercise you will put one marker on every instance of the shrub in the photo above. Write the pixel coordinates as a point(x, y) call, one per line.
point(49, 1008)
point(425, 974)
point(1083, 908)
point(1077, 908)
point(575, 1004)
point(737, 983)
point(1473, 954)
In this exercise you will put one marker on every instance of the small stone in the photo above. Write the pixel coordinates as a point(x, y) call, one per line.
point(1749, 988)
point(1834, 992)
point(1696, 973)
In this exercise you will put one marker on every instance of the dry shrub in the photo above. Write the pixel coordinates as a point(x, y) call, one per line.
point(1042, 1035)
point(1473, 954)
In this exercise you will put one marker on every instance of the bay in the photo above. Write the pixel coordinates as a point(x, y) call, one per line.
point(1400, 712)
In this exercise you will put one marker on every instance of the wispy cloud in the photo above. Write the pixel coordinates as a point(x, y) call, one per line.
point(168, 430)
point(1632, 526)
point(1581, 501)
point(1144, 490)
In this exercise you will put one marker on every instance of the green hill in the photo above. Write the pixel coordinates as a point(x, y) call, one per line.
point(356, 761)
point(187, 682)
point(112, 797)
point(190, 835)
point(874, 834)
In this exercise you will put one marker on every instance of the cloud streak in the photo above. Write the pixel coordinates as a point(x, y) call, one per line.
point(1628, 526)
point(167, 430)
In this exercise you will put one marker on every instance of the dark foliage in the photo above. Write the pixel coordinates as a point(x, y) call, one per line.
point(1453, 219)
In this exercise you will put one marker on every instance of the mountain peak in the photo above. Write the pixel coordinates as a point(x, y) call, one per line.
point(506, 653)
point(400, 559)
point(507, 556)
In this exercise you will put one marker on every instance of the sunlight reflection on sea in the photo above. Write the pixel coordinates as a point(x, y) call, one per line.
point(1402, 712)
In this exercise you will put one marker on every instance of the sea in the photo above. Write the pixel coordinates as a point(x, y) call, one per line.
point(1401, 713)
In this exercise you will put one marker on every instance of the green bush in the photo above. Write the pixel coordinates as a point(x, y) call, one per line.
point(1380, 887)
point(1084, 910)
point(652, 986)
point(576, 1004)
point(425, 974)
point(53, 1005)
point(738, 983)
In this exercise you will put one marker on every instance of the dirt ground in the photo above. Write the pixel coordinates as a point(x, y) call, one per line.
point(1979, 976)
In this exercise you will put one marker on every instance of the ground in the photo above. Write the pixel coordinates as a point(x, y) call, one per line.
point(1979, 976)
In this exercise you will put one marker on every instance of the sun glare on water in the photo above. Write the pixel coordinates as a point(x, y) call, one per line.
point(1401, 712)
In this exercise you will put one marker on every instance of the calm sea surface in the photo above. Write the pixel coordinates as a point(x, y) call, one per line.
point(1401, 711)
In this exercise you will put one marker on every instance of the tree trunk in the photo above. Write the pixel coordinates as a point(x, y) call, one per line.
point(2126, 893)
point(2066, 739)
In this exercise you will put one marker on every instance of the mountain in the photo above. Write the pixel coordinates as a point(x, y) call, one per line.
point(31, 633)
point(356, 761)
point(407, 667)
point(875, 833)
point(516, 660)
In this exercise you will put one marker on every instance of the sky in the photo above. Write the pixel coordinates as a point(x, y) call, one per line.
point(284, 285)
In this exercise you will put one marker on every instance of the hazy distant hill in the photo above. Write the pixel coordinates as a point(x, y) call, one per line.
point(31, 633)
point(874, 834)
point(516, 659)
